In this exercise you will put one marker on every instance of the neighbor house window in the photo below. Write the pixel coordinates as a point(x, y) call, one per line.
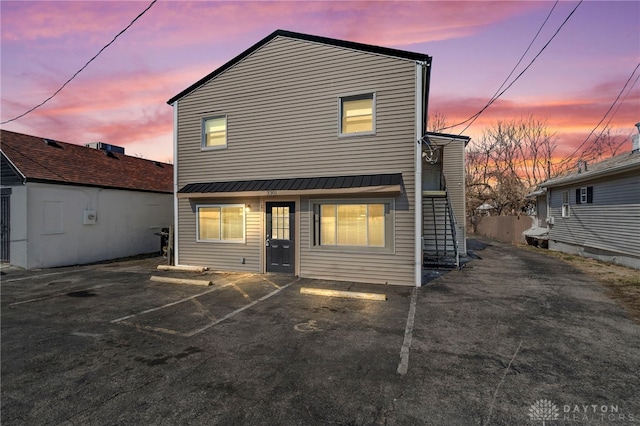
point(565, 204)
point(220, 223)
point(353, 225)
point(584, 195)
point(214, 132)
point(357, 114)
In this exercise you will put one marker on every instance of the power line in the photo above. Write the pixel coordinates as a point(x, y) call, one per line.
point(498, 95)
point(83, 67)
point(606, 126)
point(512, 70)
point(604, 116)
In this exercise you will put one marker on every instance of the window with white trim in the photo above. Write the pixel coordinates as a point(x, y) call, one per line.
point(357, 114)
point(565, 203)
point(224, 222)
point(214, 132)
point(353, 225)
point(584, 195)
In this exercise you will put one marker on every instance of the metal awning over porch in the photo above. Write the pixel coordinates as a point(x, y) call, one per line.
point(356, 184)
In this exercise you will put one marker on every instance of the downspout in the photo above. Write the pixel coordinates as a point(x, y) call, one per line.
point(175, 183)
point(419, 124)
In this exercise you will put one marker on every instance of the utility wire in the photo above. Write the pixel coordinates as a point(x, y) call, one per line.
point(498, 95)
point(604, 116)
point(83, 67)
point(586, 151)
point(475, 116)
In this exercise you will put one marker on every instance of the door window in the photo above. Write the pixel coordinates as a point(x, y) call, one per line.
point(280, 223)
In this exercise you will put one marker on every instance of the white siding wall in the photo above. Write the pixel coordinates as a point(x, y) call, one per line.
point(126, 224)
point(282, 109)
point(18, 226)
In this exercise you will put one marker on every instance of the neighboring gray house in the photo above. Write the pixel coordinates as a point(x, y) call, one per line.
point(66, 204)
point(304, 155)
point(595, 210)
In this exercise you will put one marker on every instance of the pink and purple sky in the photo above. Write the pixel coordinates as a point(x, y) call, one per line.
point(120, 98)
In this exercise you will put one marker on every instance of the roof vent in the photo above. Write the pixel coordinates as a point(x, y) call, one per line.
point(52, 143)
point(105, 147)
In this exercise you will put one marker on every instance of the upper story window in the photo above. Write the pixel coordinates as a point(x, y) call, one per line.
point(357, 114)
point(214, 132)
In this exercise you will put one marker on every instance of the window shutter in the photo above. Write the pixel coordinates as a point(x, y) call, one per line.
point(589, 194)
point(578, 196)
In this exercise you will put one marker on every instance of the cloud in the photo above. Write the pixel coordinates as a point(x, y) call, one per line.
point(121, 97)
point(55, 20)
point(127, 109)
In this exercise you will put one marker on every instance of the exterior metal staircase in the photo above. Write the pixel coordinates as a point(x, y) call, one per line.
point(439, 242)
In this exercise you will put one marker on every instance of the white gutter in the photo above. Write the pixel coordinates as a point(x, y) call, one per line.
point(418, 176)
point(175, 183)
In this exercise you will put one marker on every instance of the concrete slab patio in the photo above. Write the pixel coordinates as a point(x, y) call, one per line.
point(104, 345)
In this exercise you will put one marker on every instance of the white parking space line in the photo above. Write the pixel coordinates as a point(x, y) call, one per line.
point(53, 296)
point(186, 299)
point(408, 335)
point(150, 328)
point(271, 282)
point(33, 277)
point(237, 311)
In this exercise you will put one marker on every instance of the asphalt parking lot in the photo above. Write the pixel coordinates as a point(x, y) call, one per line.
point(103, 344)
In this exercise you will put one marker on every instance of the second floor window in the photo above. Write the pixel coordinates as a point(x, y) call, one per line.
point(214, 132)
point(357, 114)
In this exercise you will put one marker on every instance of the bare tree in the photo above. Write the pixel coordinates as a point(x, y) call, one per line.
point(436, 122)
point(509, 160)
point(607, 144)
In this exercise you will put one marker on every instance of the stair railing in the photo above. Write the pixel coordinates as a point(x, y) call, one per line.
point(452, 219)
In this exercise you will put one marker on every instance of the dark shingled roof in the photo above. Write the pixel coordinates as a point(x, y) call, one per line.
point(66, 163)
point(396, 53)
point(294, 184)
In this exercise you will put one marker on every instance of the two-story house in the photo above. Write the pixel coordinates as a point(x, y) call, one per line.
point(304, 155)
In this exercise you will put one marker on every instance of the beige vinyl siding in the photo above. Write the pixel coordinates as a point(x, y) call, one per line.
point(282, 108)
point(454, 171)
point(360, 266)
point(217, 254)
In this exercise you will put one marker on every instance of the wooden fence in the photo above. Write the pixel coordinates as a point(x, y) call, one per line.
point(507, 229)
